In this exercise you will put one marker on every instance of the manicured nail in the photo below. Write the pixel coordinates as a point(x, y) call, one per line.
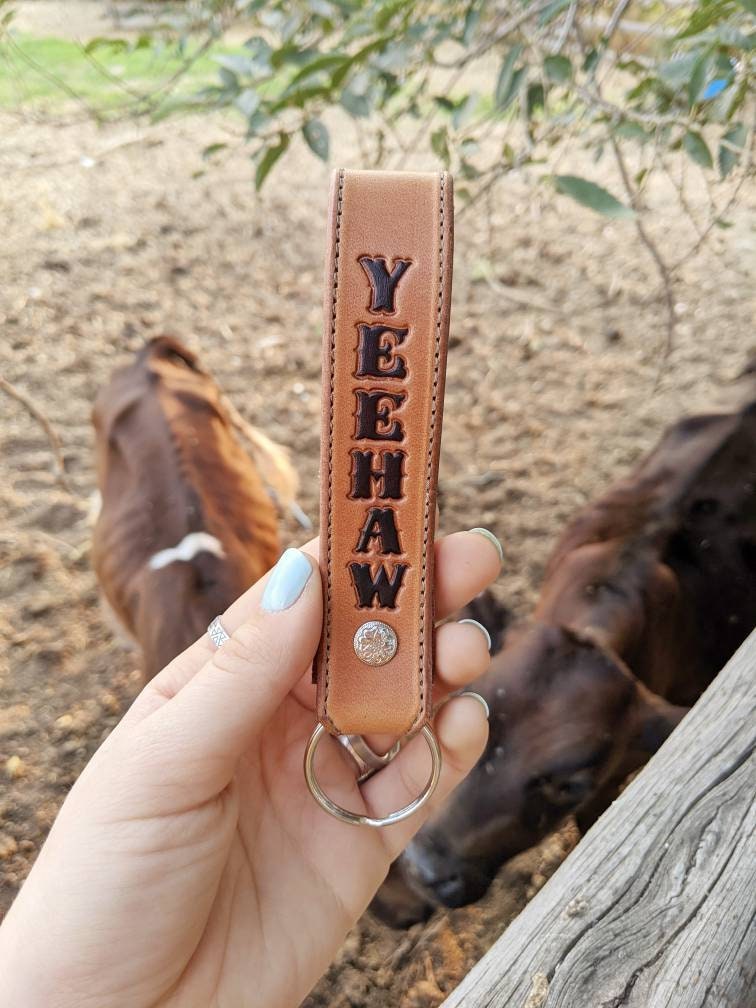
point(492, 539)
point(286, 581)
point(486, 634)
point(481, 700)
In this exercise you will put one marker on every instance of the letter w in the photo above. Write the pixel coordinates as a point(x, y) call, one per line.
point(380, 586)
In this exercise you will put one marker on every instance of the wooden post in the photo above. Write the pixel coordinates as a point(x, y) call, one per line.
point(656, 906)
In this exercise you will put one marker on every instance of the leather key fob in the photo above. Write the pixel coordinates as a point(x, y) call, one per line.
point(386, 312)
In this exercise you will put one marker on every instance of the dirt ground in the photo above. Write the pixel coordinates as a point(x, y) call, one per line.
point(557, 383)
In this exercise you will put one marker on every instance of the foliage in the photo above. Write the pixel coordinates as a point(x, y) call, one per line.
point(681, 82)
point(480, 88)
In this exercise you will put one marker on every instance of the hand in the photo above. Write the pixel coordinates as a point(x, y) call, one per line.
point(189, 865)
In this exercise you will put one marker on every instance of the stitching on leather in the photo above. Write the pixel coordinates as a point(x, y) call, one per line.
point(431, 441)
point(332, 355)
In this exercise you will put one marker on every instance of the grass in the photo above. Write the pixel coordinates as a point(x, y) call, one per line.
point(49, 72)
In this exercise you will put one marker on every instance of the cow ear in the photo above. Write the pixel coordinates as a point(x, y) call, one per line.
point(655, 720)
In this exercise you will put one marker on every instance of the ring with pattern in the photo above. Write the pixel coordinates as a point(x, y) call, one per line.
point(216, 632)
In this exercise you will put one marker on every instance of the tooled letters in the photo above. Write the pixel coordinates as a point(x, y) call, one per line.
point(378, 474)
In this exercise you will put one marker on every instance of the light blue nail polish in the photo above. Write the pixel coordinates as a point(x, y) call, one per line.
point(486, 634)
point(286, 581)
point(492, 539)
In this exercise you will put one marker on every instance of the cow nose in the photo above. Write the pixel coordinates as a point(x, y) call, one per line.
point(452, 891)
point(420, 862)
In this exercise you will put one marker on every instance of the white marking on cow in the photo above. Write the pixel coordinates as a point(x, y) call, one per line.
point(187, 549)
point(94, 507)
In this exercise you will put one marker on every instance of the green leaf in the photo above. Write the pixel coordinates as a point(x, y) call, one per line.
point(552, 10)
point(113, 44)
point(517, 78)
point(676, 73)
point(389, 10)
point(213, 149)
point(536, 99)
point(591, 60)
point(326, 61)
point(592, 195)
point(705, 14)
point(631, 131)
point(696, 147)
point(229, 79)
point(316, 136)
point(290, 52)
point(259, 54)
point(248, 102)
point(730, 148)
point(472, 17)
point(256, 122)
point(440, 144)
point(339, 74)
point(269, 158)
point(698, 79)
point(558, 69)
point(299, 97)
point(394, 58)
point(236, 63)
point(465, 110)
point(357, 105)
point(443, 102)
point(640, 177)
point(750, 6)
point(505, 90)
point(644, 87)
point(468, 170)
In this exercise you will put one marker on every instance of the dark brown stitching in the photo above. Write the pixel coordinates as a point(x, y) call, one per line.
point(431, 444)
point(332, 354)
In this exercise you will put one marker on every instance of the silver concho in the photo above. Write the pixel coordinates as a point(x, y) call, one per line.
point(375, 643)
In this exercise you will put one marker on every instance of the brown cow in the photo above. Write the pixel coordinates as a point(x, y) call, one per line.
point(186, 522)
point(647, 594)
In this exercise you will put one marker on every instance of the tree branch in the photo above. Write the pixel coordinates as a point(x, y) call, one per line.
point(664, 271)
point(39, 416)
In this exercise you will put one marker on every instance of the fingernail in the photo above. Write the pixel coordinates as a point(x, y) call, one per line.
point(286, 581)
point(492, 539)
point(486, 634)
point(481, 700)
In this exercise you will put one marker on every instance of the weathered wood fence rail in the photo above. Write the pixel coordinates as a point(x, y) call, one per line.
point(656, 907)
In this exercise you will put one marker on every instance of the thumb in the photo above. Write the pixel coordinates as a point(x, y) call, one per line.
point(205, 728)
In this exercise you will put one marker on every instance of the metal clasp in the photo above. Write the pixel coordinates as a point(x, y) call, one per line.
point(369, 763)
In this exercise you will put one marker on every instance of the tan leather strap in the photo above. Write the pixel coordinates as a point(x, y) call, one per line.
point(388, 291)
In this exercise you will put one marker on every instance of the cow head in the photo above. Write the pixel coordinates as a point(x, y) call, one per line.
point(567, 718)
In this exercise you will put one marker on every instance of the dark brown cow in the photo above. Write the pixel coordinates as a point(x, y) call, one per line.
point(647, 594)
point(186, 522)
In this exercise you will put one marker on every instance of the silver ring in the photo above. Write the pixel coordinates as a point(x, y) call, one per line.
point(355, 818)
point(217, 634)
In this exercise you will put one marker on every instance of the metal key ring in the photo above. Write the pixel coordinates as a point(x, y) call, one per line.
point(355, 818)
